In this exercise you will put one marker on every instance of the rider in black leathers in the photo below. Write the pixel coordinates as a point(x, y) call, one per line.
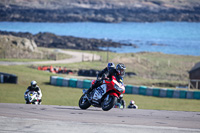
point(33, 87)
point(108, 72)
point(118, 73)
point(103, 74)
point(132, 105)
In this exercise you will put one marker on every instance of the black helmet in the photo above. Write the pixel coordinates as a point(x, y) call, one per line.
point(110, 65)
point(120, 68)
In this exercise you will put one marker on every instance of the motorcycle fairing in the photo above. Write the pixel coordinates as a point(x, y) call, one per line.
point(33, 97)
point(99, 92)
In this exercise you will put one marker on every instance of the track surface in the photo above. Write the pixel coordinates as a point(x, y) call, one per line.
point(52, 118)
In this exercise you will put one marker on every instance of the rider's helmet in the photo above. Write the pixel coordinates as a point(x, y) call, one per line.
point(120, 68)
point(132, 102)
point(110, 66)
point(33, 84)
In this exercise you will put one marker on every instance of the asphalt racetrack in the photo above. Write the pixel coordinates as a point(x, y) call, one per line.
point(19, 118)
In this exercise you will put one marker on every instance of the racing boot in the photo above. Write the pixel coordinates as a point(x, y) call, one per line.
point(40, 102)
point(97, 83)
point(27, 102)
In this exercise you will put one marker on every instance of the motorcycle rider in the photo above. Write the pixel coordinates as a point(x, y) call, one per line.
point(118, 73)
point(33, 87)
point(103, 74)
point(132, 105)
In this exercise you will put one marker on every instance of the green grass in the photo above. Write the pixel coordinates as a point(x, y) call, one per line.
point(53, 95)
point(152, 69)
point(156, 103)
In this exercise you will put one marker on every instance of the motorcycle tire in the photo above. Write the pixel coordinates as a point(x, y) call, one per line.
point(86, 103)
point(108, 104)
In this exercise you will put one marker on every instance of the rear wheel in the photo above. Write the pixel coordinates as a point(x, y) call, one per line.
point(84, 103)
point(108, 102)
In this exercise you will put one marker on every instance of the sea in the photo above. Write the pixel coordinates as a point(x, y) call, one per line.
point(181, 38)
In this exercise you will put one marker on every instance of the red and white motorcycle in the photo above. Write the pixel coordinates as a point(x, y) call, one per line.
point(104, 96)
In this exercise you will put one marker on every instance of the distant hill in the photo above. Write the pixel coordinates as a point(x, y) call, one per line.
point(99, 10)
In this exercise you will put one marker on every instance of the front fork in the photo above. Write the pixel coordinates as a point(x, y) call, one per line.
point(107, 97)
point(86, 96)
point(84, 91)
point(107, 100)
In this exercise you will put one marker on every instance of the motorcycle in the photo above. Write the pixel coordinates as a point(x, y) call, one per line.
point(104, 96)
point(32, 97)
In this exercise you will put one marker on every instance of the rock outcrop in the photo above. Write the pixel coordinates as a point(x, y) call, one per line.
point(100, 10)
point(12, 42)
point(66, 42)
point(17, 47)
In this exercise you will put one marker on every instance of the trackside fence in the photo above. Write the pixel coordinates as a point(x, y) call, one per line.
point(130, 89)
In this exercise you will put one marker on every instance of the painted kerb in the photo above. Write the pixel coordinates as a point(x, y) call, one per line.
point(130, 89)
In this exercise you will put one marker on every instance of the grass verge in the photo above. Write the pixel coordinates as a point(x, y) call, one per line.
point(53, 95)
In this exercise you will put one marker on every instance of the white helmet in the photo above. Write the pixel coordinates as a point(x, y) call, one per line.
point(33, 84)
point(132, 102)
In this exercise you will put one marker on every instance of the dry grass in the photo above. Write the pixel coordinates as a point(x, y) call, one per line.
point(15, 54)
point(152, 69)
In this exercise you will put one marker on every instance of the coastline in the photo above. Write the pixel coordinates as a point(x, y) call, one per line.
point(51, 40)
point(110, 11)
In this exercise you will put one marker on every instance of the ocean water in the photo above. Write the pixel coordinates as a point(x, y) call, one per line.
point(182, 38)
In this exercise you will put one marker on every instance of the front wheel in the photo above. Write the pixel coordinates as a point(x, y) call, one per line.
point(84, 103)
point(108, 102)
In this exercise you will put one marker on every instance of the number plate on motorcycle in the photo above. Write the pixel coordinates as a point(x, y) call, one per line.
point(99, 92)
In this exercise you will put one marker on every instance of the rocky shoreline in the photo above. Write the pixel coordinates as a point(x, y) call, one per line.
point(99, 10)
point(50, 40)
point(111, 11)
